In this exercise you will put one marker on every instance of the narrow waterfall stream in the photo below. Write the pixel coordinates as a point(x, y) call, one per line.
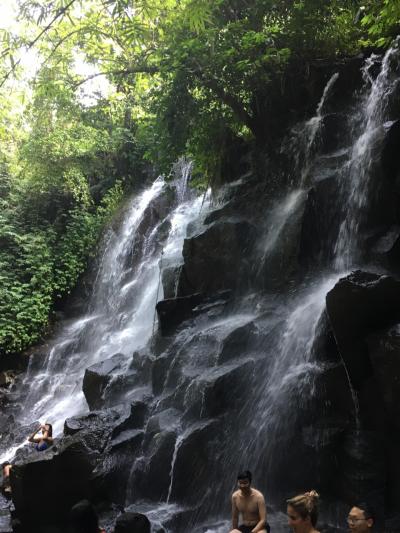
point(236, 385)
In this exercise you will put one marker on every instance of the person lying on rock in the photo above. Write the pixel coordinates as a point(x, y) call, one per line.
point(361, 518)
point(83, 518)
point(6, 486)
point(302, 512)
point(132, 523)
point(250, 504)
point(44, 440)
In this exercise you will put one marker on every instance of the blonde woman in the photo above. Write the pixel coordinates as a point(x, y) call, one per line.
point(302, 512)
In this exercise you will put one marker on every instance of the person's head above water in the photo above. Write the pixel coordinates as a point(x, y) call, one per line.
point(302, 511)
point(132, 523)
point(244, 480)
point(361, 518)
point(83, 518)
point(49, 428)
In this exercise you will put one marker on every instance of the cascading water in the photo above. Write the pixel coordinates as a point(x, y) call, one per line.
point(367, 127)
point(226, 389)
point(120, 311)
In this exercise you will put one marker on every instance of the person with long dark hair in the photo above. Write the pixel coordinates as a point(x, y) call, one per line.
point(45, 439)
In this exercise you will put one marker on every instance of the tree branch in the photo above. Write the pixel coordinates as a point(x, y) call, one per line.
point(60, 13)
point(140, 69)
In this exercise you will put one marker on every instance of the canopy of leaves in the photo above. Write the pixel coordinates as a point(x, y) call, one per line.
point(184, 77)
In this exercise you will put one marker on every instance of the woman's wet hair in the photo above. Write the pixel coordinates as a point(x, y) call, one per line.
point(245, 474)
point(50, 430)
point(306, 505)
point(367, 509)
point(83, 518)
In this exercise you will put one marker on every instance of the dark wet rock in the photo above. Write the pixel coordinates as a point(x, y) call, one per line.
point(357, 305)
point(278, 249)
point(103, 381)
point(238, 342)
point(162, 421)
point(221, 389)
point(192, 455)
point(159, 372)
point(92, 461)
point(333, 385)
point(173, 311)
point(384, 354)
point(217, 258)
point(110, 476)
point(390, 153)
point(151, 475)
point(137, 522)
point(66, 469)
point(18, 433)
point(169, 279)
point(332, 129)
point(319, 225)
point(135, 419)
point(362, 466)
point(216, 305)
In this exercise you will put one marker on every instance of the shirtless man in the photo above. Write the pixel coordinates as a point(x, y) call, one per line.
point(250, 504)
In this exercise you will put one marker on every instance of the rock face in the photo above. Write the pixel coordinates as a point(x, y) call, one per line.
point(217, 258)
point(364, 315)
point(356, 305)
point(90, 462)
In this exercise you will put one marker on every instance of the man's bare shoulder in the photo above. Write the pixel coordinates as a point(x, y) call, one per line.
point(259, 495)
point(236, 494)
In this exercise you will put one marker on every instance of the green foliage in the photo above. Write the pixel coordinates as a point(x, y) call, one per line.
point(382, 20)
point(187, 77)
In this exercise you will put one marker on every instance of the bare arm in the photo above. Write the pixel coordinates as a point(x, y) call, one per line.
point(33, 437)
point(235, 514)
point(262, 511)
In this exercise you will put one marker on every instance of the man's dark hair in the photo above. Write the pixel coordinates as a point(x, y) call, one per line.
point(367, 509)
point(83, 518)
point(244, 474)
point(132, 523)
point(6, 463)
point(50, 430)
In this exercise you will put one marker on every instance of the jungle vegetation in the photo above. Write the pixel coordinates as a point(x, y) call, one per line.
point(179, 77)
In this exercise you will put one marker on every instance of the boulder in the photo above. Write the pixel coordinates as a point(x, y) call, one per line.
point(217, 258)
point(192, 469)
point(173, 311)
point(92, 461)
point(150, 478)
point(384, 354)
point(104, 382)
point(128, 522)
point(358, 304)
point(238, 342)
point(221, 389)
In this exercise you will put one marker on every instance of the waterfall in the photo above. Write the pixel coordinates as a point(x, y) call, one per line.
point(119, 316)
point(366, 125)
point(231, 384)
